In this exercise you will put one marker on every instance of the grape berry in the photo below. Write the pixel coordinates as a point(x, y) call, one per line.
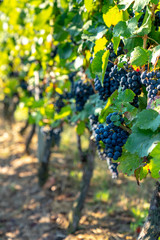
point(81, 93)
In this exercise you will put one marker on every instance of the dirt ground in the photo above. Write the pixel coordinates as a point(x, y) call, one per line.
point(28, 212)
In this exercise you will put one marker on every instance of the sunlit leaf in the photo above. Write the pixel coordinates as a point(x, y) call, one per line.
point(109, 19)
point(100, 44)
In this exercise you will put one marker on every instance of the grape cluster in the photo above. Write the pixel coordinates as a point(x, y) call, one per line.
point(112, 53)
point(102, 152)
point(112, 167)
point(60, 101)
point(157, 20)
point(71, 79)
point(140, 21)
point(131, 80)
point(23, 84)
point(112, 136)
point(111, 81)
point(82, 92)
point(132, 14)
point(115, 78)
point(152, 82)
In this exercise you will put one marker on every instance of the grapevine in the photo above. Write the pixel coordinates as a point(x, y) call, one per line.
point(94, 65)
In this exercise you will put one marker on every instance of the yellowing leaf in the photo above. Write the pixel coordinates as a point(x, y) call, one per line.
point(49, 88)
point(42, 110)
point(88, 55)
point(65, 111)
point(58, 90)
point(113, 16)
point(144, 171)
point(137, 69)
point(7, 90)
point(104, 63)
point(64, 3)
point(51, 106)
point(100, 44)
point(88, 5)
point(154, 164)
point(104, 57)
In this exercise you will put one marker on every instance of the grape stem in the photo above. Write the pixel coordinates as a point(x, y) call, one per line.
point(117, 65)
point(153, 40)
point(138, 36)
point(126, 129)
point(145, 41)
point(156, 63)
point(145, 37)
point(92, 83)
point(154, 7)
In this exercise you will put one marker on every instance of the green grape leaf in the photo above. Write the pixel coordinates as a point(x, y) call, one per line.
point(55, 124)
point(129, 163)
point(59, 33)
point(154, 164)
point(132, 24)
point(107, 5)
point(142, 141)
point(37, 104)
point(116, 120)
point(143, 172)
point(148, 119)
point(121, 29)
point(89, 72)
point(65, 50)
point(125, 3)
point(138, 4)
point(142, 102)
point(132, 43)
point(119, 102)
point(122, 102)
point(80, 128)
point(126, 96)
point(94, 33)
point(116, 41)
point(75, 118)
point(139, 56)
point(155, 1)
point(155, 54)
point(146, 25)
point(107, 109)
point(97, 62)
